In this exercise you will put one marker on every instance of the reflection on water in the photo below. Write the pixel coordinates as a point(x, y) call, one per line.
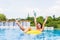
point(17, 34)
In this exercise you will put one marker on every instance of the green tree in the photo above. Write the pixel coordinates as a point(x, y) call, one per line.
point(2, 17)
point(40, 19)
point(11, 19)
point(53, 17)
point(28, 17)
point(31, 20)
point(50, 19)
point(58, 18)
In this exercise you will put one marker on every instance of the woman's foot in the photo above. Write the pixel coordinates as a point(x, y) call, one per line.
point(16, 21)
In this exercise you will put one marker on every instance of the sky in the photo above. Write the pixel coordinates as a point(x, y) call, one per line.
point(21, 8)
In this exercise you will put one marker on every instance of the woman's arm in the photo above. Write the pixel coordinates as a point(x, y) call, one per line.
point(35, 18)
point(35, 21)
point(44, 23)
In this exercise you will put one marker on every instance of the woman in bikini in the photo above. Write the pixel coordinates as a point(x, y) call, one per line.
point(39, 26)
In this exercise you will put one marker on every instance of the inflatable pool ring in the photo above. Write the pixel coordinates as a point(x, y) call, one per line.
point(35, 32)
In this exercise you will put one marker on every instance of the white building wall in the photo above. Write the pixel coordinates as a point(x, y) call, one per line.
point(25, 24)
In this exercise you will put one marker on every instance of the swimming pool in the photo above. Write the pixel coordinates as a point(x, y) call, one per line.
point(17, 34)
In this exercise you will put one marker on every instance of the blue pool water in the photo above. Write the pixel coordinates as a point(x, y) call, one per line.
point(17, 34)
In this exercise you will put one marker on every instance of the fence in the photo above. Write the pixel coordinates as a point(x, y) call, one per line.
point(7, 24)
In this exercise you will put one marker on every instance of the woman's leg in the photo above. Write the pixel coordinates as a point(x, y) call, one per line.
point(20, 26)
point(27, 29)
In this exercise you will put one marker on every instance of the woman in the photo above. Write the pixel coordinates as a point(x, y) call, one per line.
point(39, 26)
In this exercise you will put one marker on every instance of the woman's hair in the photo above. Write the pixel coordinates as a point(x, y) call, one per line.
point(40, 24)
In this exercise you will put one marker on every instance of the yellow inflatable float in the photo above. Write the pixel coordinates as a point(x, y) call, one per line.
point(35, 32)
